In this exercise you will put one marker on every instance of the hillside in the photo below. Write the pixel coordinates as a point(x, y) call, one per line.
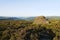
point(29, 30)
point(40, 20)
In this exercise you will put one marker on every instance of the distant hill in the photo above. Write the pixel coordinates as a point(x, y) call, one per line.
point(40, 20)
point(8, 18)
point(17, 18)
point(53, 17)
point(28, 18)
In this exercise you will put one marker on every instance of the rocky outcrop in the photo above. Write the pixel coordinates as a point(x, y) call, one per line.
point(39, 34)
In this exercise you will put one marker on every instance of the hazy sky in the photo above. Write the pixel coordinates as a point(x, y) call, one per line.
point(26, 8)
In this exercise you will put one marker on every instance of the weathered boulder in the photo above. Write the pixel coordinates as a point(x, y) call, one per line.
point(39, 34)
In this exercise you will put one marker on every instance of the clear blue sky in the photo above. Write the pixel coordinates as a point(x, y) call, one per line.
point(25, 8)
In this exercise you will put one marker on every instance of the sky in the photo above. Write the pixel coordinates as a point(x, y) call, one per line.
point(27, 8)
